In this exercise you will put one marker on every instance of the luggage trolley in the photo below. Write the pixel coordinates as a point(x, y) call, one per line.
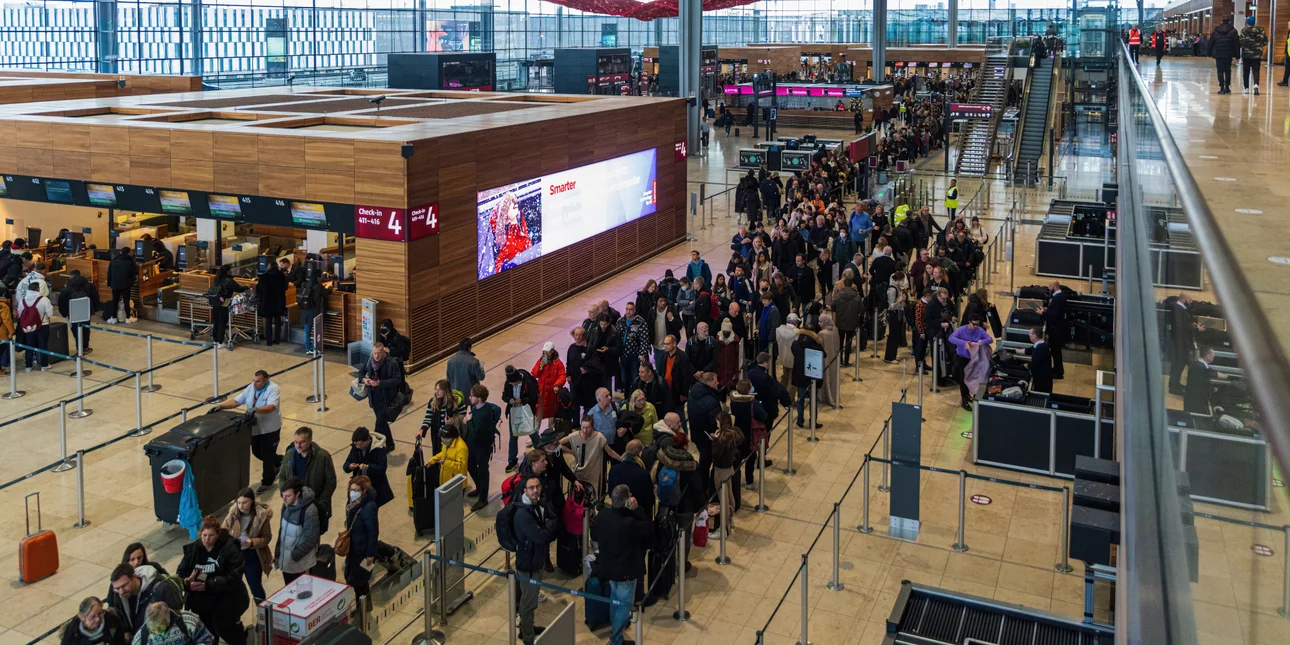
point(243, 322)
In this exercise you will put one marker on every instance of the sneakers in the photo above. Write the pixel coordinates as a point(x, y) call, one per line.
point(510, 468)
point(1283, 84)
point(541, 597)
point(29, 370)
point(1256, 90)
point(1245, 90)
point(131, 320)
point(110, 321)
point(750, 486)
point(44, 368)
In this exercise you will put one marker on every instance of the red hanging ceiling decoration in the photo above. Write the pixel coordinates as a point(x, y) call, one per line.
point(643, 10)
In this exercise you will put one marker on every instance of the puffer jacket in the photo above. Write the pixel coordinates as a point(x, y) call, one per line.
point(1224, 42)
point(846, 304)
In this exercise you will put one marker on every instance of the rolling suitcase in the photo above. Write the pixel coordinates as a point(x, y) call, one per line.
point(38, 552)
point(59, 341)
point(423, 500)
point(568, 553)
point(596, 612)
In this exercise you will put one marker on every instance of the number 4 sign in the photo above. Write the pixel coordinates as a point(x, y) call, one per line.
point(381, 223)
point(424, 221)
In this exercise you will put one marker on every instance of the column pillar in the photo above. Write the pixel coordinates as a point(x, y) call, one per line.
point(105, 39)
point(952, 39)
point(690, 28)
point(879, 40)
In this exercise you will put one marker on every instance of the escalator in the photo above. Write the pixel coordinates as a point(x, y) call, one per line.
point(1034, 128)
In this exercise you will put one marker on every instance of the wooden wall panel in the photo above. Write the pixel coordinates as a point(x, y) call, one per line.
point(150, 171)
point(73, 164)
point(281, 150)
point(283, 181)
point(328, 186)
point(70, 138)
point(423, 325)
point(237, 177)
point(526, 286)
point(110, 140)
point(384, 276)
point(556, 273)
point(149, 142)
point(113, 169)
point(458, 315)
point(495, 297)
point(192, 173)
point(36, 162)
point(379, 189)
point(242, 148)
point(329, 155)
point(582, 262)
point(192, 144)
point(33, 134)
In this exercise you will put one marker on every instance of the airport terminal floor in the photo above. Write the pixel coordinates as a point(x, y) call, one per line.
point(1013, 532)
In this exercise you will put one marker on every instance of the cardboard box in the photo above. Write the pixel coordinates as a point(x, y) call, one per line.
point(295, 618)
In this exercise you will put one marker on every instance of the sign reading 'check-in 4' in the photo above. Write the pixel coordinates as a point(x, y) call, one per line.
point(396, 224)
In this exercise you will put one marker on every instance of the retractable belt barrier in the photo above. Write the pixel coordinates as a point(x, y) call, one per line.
point(153, 337)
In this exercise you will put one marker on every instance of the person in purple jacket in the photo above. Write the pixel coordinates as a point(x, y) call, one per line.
point(966, 340)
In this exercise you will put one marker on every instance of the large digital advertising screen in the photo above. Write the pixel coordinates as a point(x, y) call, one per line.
point(522, 221)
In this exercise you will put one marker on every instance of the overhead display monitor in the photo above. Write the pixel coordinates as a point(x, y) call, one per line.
point(794, 161)
point(101, 195)
point(308, 215)
point(59, 191)
point(223, 206)
point(522, 221)
point(175, 202)
point(752, 158)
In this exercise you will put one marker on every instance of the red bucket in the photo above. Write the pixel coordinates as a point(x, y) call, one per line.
point(172, 475)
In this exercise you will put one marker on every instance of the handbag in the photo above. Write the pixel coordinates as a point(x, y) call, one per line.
point(522, 421)
point(358, 390)
point(342, 543)
point(701, 529)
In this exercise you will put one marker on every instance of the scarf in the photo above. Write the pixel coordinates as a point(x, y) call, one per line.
point(96, 635)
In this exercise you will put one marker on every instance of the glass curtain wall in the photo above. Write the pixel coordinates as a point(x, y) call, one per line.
point(244, 42)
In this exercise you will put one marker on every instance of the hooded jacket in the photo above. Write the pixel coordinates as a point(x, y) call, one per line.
point(398, 344)
point(374, 457)
point(846, 304)
point(1253, 40)
point(364, 527)
point(41, 303)
point(464, 371)
point(272, 290)
point(690, 481)
point(222, 566)
point(77, 287)
point(111, 632)
point(122, 272)
point(704, 404)
point(151, 589)
point(302, 518)
point(1224, 42)
point(806, 339)
point(320, 474)
point(535, 531)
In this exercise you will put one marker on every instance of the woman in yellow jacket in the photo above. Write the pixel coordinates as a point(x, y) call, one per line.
point(6, 332)
point(454, 453)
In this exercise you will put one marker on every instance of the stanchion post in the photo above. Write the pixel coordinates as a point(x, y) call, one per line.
point(513, 604)
point(814, 392)
point(139, 430)
point(680, 614)
point(215, 397)
point(80, 412)
point(855, 377)
point(836, 584)
point(805, 599)
point(586, 534)
point(788, 468)
point(150, 387)
point(886, 455)
point(313, 398)
point(761, 506)
point(875, 334)
point(864, 518)
point(961, 544)
point(183, 415)
point(936, 363)
point(1065, 565)
point(322, 383)
point(1285, 576)
point(81, 522)
point(62, 439)
point(14, 392)
point(639, 624)
point(920, 381)
point(724, 496)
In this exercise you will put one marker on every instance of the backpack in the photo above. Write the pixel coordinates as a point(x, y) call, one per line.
point(170, 579)
point(29, 320)
point(669, 486)
point(715, 311)
point(504, 527)
point(508, 488)
point(304, 298)
point(213, 295)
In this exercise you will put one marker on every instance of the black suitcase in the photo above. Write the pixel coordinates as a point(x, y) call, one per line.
point(325, 567)
point(662, 558)
point(423, 500)
point(339, 634)
point(217, 448)
point(1027, 318)
point(568, 553)
point(1034, 291)
point(58, 341)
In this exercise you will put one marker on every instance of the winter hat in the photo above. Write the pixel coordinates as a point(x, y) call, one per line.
point(1249, 20)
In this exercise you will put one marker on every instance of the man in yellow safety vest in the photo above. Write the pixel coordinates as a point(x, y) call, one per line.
point(952, 198)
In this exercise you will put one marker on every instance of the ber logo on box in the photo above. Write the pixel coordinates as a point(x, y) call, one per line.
point(381, 223)
point(423, 221)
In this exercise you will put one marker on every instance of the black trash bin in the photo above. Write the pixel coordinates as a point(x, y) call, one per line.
point(217, 448)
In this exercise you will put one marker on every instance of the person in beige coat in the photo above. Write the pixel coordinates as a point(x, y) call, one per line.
point(252, 523)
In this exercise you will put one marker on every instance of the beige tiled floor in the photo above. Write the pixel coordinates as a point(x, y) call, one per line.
point(1013, 541)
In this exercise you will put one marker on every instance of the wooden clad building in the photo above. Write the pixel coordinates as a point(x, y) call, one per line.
point(407, 176)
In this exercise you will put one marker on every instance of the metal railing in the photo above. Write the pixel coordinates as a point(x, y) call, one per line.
point(1152, 356)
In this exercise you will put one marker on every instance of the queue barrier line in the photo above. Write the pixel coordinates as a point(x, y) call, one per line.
point(68, 358)
point(523, 578)
point(134, 432)
point(146, 336)
point(947, 471)
point(1247, 523)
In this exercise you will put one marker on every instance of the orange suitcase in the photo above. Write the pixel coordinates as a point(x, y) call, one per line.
point(38, 552)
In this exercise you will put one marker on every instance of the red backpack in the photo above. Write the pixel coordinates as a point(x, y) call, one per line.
point(508, 488)
point(715, 312)
point(29, 320)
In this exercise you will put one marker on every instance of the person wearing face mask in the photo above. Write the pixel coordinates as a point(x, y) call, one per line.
point(367, 457)
point(362, 528)
point(251, 522)
point(211, 570)
point(93, 626)
point(398, 344)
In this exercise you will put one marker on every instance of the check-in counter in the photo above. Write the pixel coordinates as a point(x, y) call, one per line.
point(1228, 467)
point(1041, 435)
point(147, 284)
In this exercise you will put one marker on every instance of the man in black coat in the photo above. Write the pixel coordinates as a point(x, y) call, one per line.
point(704, 404)
point(586, 372)
point(806, 339)
point(1224, 45)
point(624, 534)
point(881, 269)
point(632, 473)
point(769, 391)
point(211, 571)
point(272, 291)
point(121, 274)
point(803, 280)
point(535, 530)
point(1200, 382)
point(383, 375)
point(521, 389)
point(677, 372)
point(1055, 326)
point(605, 346)
point(1041, 370)
point(701, 350)
point(1183, 330)
point(78, 287)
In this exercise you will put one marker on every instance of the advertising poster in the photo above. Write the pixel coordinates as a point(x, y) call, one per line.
point(448, 36)
point(520, 222)
point(4, 188)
